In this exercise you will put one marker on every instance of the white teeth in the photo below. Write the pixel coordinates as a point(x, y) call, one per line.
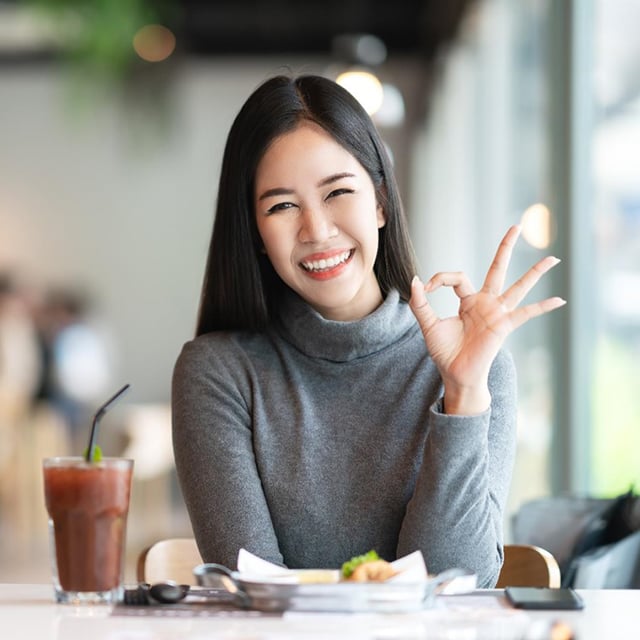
point(329, 263)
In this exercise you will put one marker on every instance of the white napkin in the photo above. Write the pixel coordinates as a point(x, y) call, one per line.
point(252, 564)
point(411, 568)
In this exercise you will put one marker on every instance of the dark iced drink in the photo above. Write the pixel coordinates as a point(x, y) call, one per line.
point(88, 503)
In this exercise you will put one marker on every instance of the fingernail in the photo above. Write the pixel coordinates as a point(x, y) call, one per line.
point(414, 280)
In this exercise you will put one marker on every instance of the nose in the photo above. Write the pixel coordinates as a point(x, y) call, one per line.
point(316, 225)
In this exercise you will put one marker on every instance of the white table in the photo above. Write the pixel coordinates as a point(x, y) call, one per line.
point(28, 612)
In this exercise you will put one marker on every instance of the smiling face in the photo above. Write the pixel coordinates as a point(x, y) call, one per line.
point(318, 218)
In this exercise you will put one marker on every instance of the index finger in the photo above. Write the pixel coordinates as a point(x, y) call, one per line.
point(494, 281)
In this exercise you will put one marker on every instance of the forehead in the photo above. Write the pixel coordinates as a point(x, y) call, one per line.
point(306, 149)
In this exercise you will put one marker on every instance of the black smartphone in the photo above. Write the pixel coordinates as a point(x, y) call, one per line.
point(543, 598)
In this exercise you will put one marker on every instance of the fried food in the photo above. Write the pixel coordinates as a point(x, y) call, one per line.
point(368, 567)
point(350, 565)
point(372, 571)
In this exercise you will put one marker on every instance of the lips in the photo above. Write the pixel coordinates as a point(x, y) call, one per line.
point(326, 264)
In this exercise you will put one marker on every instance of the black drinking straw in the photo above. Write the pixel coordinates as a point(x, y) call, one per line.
point(96, 419)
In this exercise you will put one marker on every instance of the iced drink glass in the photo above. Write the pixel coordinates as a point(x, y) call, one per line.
point(88, 503)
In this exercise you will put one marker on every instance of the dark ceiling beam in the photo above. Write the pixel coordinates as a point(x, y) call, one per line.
point(407, 27)
point(410, 28)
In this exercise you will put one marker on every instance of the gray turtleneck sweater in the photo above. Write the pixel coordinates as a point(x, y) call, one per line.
point(319, 440)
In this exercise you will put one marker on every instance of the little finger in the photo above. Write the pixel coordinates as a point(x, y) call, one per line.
point(522, 314)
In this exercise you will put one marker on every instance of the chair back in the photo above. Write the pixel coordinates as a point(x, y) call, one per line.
point(528, 566)
point(169, 559)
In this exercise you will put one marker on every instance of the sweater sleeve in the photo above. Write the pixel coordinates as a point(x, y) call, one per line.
point(215, 462)
point(455, 515)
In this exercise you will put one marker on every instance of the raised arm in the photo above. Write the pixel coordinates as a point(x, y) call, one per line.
point(456, 512)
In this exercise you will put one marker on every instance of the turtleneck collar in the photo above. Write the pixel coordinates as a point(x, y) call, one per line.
point(317, 337)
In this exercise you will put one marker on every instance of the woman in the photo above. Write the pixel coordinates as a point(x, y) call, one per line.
point(323, 408)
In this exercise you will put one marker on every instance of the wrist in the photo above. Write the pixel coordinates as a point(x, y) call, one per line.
point(466, 401)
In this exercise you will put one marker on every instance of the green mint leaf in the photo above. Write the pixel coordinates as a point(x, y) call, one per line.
point(97, 453)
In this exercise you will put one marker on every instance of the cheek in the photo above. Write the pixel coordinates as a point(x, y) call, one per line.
point(265, 229)
point(265, 239)
point(274, 239)
point(370, 219)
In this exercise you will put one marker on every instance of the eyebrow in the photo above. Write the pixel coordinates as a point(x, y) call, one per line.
point(284, 191)
point(334, 178)
point(278, 191)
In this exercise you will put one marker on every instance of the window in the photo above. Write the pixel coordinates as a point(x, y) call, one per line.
point(615, 381)
point(539, 102)
point(482, 161)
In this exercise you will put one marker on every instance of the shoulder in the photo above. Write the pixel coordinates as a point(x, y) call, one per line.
point(228, 349)
point(218, 367)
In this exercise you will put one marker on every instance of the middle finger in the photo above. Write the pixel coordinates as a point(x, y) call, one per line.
point(496, 275)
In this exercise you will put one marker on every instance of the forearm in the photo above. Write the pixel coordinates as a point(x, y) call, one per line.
point(452, 515)
point(456, 512)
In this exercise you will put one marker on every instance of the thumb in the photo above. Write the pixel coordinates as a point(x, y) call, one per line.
point(420, 306)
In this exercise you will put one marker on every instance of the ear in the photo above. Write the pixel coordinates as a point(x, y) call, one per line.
point(381, 216)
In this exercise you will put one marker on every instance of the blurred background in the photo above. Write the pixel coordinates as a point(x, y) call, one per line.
point(114, 114)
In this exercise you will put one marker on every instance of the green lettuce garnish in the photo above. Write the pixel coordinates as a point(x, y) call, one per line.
point(349, 566)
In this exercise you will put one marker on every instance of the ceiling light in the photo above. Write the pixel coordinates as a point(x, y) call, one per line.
point(154, 43)
point(538, 227)
point(365, 87)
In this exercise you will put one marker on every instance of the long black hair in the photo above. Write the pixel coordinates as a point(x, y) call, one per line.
point(241, 289)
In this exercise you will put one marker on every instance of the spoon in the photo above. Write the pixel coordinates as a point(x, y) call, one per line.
point(168, 592)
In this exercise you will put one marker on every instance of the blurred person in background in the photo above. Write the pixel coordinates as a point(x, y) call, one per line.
point(76, 361)
point(19, 360)
point(55, 368)
point(20, 369)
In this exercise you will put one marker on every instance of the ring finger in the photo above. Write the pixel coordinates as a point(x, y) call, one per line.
point(516, 293)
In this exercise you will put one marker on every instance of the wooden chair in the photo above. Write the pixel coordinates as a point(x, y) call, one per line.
point(174, 559)
point(528, 566)
point(170, 559)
